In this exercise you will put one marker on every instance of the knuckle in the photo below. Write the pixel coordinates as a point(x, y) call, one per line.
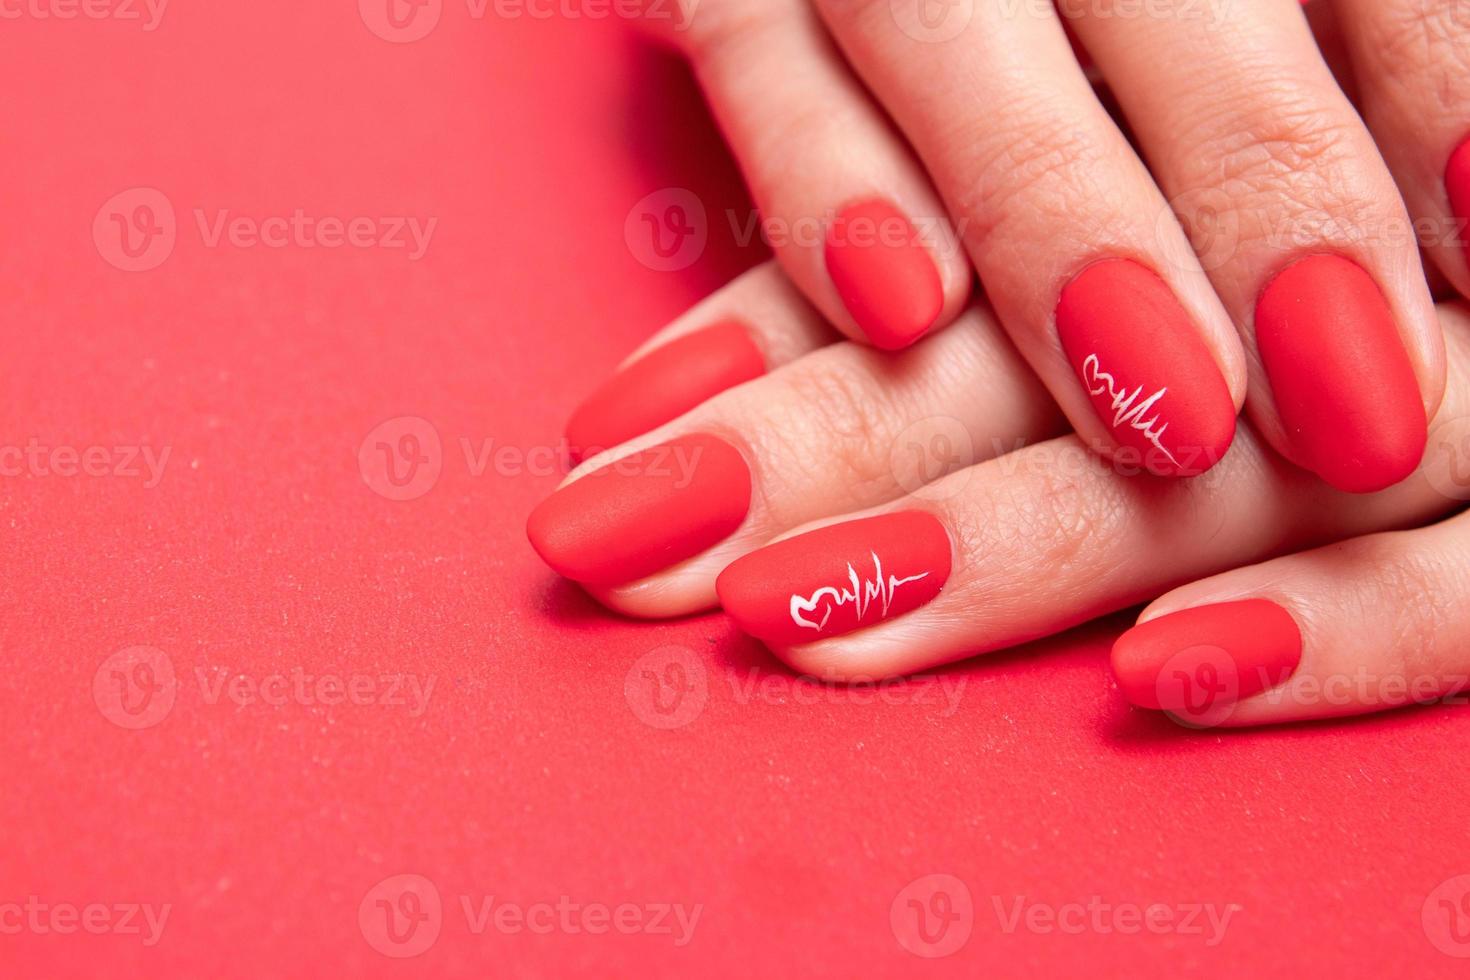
point(1039, 166)
point(1414, 41)
point(1413, 582)
point(830, 427)
point(1273, 140)
point(1057, 527)
point(716, 26)
point(1281, 164)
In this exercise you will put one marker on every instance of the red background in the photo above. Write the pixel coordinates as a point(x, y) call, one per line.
point(531, 774)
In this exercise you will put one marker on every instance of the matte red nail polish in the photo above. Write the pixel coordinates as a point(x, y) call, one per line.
point(1343, 383)
point(664, 384)
point(1150, 376)
point(644, 512)
point(1457, 183)
point(1196, 661)
point(838, 578)
point(885, 276)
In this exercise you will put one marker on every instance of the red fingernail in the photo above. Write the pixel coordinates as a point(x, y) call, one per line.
point(1195, 661)
point(1457, 183)
point(1342, 380)
point(838, 578)
point(1151, 378)
point(664, 384)
point(886, 277)
point(644, 512)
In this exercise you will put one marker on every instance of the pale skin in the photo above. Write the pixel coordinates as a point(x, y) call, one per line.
point(976, 119)
point(1046, 536)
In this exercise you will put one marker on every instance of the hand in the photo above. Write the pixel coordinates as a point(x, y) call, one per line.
point(1043, 537)
point(1246, 134)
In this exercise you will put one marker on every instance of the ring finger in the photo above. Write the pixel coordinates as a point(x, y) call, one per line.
point(1246, 130)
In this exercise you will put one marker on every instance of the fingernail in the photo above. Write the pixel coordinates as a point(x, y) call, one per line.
point(1457, 183)
point(885, 276)
point(1343, 384)
point(837, 579)
point(1151, 378)
point(664, 384)
point(1192, 662)
point(644, 512)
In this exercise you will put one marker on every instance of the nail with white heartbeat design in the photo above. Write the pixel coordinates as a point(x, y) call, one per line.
point(1127, 409)
point(1152, 380)
point(831, 581)
point(860, 596)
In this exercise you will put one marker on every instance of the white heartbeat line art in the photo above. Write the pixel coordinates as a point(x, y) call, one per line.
point(861, 595)
point(1124, 408)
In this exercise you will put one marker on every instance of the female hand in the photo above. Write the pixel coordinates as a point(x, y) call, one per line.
point(1244, 130)
point(1026, 534)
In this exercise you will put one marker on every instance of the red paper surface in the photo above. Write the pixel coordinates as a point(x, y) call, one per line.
point(796, 818)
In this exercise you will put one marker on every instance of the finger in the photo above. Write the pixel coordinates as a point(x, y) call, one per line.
point(754, 324)
point(1042, 539)
point(1373, 623)
point(1243, 125)
point(843, 203)
point(1412, 60)
point(1107, 303)
point(648, 527)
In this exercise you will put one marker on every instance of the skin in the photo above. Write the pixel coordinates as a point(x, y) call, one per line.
point(1249, 154)
point(1047, 536)
point(1244, 115)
